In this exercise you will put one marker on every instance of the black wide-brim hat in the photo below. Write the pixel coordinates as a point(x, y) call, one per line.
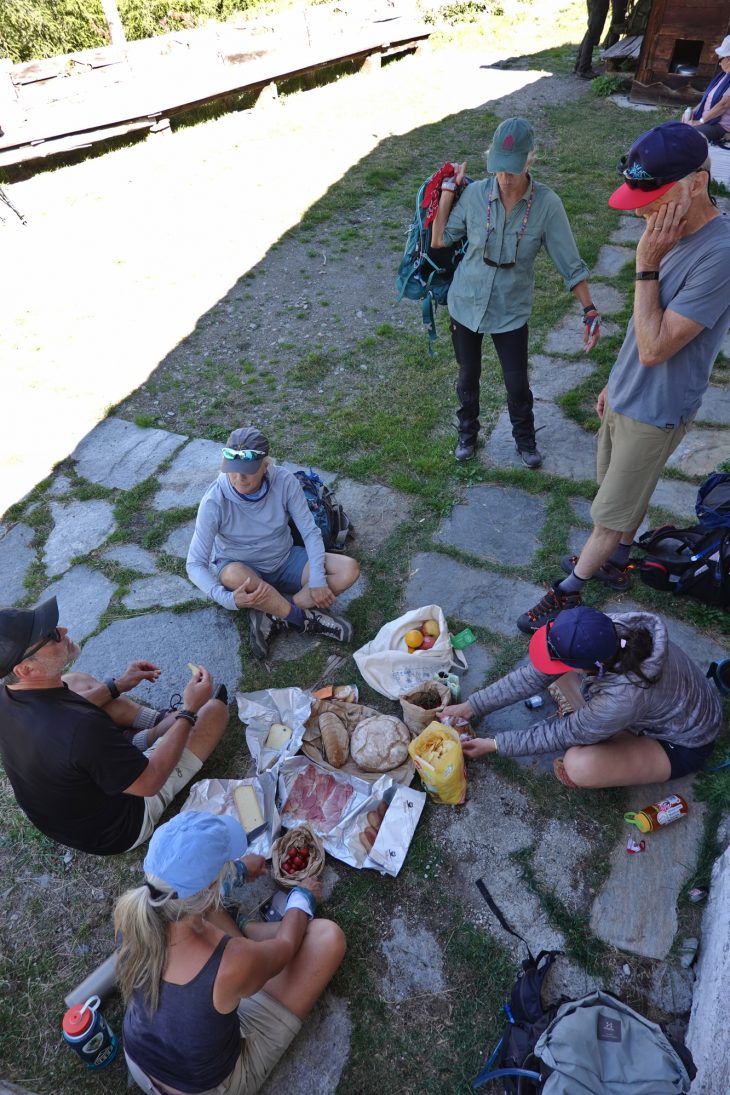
point(20, 628)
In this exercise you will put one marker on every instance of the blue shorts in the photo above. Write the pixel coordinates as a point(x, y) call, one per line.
point(286, 579)
point(683, 760)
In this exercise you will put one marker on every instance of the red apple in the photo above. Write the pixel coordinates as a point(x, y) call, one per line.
point(428, 641)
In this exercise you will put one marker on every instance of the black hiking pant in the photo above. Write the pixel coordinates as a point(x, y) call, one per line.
point(511, 347)
point(597, 12)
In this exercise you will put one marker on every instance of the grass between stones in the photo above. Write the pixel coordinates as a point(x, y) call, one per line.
point(376, 408)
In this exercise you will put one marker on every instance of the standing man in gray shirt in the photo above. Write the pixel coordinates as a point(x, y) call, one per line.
point(243, 556)
point(681, 315)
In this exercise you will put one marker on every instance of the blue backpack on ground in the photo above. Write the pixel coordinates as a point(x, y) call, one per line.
point(329, 516)
point(713, 501)
point(424, 273)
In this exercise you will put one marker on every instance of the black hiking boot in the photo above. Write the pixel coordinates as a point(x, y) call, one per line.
point(260, 629)
point(546, 609)
point(332, 627)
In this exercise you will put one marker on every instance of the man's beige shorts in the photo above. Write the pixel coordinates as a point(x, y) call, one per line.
point(630, 458)
point(154, 807)
point(268, 1029)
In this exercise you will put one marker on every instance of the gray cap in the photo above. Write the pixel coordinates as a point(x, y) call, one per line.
point(512, 143)
point(21, 628)
point(245, 439)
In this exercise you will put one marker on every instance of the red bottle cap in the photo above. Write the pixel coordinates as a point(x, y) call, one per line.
point(77, 1020)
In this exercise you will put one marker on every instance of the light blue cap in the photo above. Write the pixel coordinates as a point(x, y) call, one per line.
point(187, 853)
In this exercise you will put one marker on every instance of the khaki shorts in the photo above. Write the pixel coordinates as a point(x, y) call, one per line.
point(154, 807)
point(630, 459)
point(268, 1029)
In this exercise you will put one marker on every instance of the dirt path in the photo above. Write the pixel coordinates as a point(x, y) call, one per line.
point(123, 254)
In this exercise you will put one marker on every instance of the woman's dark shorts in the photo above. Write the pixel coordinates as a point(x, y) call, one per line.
point(683, 760)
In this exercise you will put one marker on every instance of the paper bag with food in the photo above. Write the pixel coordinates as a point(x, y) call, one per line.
point(420, 705)
point(296, 855)
point(439, 761)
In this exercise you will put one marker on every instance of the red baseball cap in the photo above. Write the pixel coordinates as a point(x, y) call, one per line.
point(578, 638)
point(656, 162)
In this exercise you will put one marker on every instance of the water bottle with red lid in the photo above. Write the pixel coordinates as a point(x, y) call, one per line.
point(87, 1032)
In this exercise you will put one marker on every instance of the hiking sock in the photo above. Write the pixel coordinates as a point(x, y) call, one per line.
point(145, 718)
point(571, 584)
point(295, 618)
point(620, 556)
point(139, 741)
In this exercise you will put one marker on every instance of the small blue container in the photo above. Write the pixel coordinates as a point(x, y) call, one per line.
point(87, 1032)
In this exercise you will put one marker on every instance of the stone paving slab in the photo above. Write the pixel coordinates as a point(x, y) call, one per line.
point(119, 454)
point(357, 589)
point(375, 511)
point(563, 843)
point(567, 336)
point(83, 595)
point(607, 299)
point(567, 450)
point(679, 498)
point(715, 406)
point(552, 376)
point(133, 557)
point(496, 523)
point(636, 908)
point(496, 820)
point(192, 471)
point(671, 989)
point(314, 1062)
point(288, 646)
point(178, 542)
point(582, 509)
point(469, 594)
point(519, 717)
point(16, 556)
point(710, 1020)
point(630, 230)
point(78, 528)
point(611, 260)
point(480, 662)
point(60, 486)
point(206, 637)
point(701, 452)
point(415, 962)
point(163, 590)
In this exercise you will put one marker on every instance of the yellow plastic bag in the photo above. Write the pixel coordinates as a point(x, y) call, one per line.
point(439, 760)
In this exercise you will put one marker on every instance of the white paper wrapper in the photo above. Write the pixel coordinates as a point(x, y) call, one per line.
point(343, 840)
point(215, 796)
point(260, 710)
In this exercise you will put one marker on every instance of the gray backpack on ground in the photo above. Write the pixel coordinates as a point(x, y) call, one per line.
point(600, 1046)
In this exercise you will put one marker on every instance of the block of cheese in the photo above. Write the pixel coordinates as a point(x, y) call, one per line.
point(278, 736)
point(248, 808)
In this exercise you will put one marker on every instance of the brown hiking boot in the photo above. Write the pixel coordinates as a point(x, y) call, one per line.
point(551, 605)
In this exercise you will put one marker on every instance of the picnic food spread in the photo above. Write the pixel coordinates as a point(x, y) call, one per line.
point(379, 743)
point(318, 797)
point(374, 819)
point(335, 739)
point(278, 736)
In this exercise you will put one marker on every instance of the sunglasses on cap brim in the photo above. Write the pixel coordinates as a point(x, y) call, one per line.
point(243, 454)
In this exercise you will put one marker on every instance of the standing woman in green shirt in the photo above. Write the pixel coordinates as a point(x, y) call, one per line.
point(506, 219)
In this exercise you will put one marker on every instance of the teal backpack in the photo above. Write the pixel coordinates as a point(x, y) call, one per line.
point(424, 274)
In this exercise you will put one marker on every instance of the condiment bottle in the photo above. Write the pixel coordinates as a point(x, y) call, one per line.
point(87, 1032)
point(661, 813)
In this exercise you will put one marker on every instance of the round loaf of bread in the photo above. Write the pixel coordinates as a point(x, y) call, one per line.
point(379, 743)
point(335, 739)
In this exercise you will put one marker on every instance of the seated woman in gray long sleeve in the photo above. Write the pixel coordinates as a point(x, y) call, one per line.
point(243, 555)
point(644, 711)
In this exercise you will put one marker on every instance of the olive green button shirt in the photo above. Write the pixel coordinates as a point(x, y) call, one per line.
point(490, 300)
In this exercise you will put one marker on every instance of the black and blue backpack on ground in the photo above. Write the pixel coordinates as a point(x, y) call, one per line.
point(693, 561)
point(596, 1045)
point(329, 516)
point(425, 273)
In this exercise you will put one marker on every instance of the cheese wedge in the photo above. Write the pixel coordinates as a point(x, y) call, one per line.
point(278, 736)
point(248, 808)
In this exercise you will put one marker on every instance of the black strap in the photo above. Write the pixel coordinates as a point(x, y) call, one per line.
point(494, 907)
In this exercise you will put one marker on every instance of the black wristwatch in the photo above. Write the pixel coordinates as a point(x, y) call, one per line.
point(111, 684)
point(648, 275)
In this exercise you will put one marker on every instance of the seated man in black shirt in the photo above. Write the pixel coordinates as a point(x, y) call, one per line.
point(73, 771)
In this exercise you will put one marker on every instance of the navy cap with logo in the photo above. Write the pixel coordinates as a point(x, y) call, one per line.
point(245, 450)
point(21, 628)
point(578, 638)
point(656, 162)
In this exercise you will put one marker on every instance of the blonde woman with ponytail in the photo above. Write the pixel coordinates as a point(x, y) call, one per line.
point(210, 1011)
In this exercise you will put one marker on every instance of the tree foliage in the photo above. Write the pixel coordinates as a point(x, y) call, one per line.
point(42, 28)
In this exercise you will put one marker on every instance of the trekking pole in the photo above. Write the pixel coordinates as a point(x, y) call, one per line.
point(6, 199)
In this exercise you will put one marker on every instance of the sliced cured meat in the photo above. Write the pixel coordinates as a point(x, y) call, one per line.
point(317, 797)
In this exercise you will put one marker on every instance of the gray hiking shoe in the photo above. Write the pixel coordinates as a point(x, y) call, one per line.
point(260, 629)
point(531, 458)
point(465, 449)
point(332, 627)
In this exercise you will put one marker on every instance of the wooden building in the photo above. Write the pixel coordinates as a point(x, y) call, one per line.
point(677, 59)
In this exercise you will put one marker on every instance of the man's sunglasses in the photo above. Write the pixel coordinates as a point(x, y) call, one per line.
point(55, 636)
point(647, 182)
point(243, 454)
point(552, 652)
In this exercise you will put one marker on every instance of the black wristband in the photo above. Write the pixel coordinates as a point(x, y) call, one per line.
point(648, 275)
point(111, 684)
point(189, 716)
point(589, 308)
